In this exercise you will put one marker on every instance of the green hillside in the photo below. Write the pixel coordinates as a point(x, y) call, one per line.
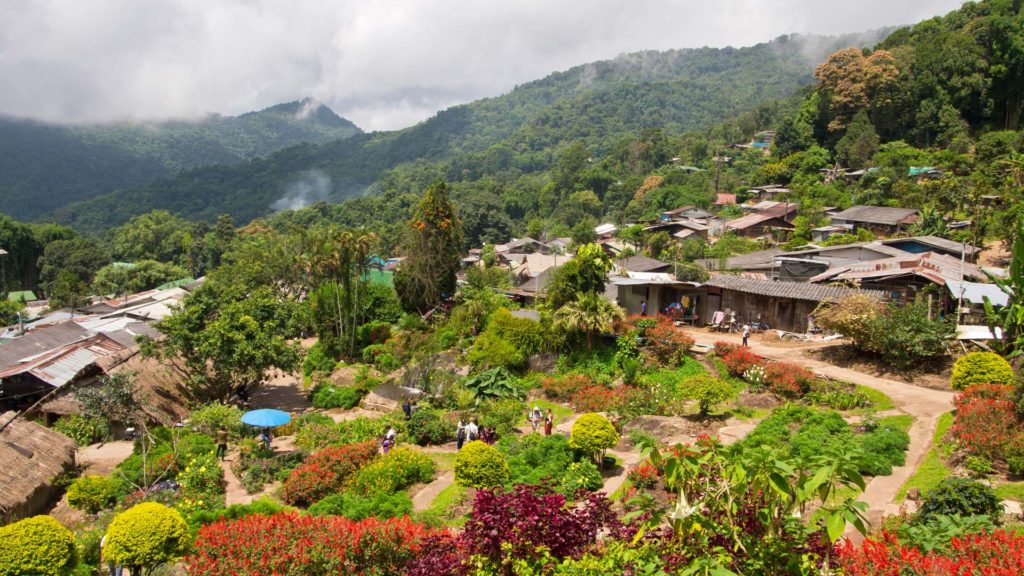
point(46, 166)
point(595, 104)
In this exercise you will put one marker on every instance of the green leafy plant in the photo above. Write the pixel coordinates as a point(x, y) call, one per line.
point(502, 415)
point(40, 546)
point(963, 497)
point(980, 368)
point(494, 383)
point(580, 476)
point(84, 430)
point(93, 493)
point(202, 485)
point(492, 351)
point(428, 427)
point(398, 469)
point(211, 417)
point(330, 396)
point(356, 507)
point(592, 434)
point(707, 391)
point(479, 465)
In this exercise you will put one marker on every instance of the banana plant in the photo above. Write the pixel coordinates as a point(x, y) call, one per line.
point(1009, 318)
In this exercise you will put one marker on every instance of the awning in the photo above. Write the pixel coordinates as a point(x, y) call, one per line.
point(975, 292)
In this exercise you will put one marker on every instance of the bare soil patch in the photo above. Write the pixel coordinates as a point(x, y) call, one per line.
point(934, 374)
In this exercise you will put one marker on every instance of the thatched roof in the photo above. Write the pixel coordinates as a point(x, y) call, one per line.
point(31, 455)
point(163, 384)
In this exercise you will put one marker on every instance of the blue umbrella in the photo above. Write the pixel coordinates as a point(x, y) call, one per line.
point(266, 418)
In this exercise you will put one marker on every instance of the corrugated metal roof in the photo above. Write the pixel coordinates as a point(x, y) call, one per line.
point(938, 268)
point(877, 215)
point(751, 220)
point(792, 290)
point(60, 366)
point(642, 264)
point(36, 341)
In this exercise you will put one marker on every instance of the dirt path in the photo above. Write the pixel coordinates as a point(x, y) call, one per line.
point(234, 492)
point(101, 459)
point(924, 404)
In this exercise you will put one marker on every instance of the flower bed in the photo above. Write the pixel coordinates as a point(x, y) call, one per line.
point(326, 472)
point(288, 543)
point(984, 413)
point(1000, 553)
point(739, 360)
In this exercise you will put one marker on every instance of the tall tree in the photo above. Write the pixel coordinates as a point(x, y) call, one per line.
point(589, 314)
point(432, 248)
point(76, 256)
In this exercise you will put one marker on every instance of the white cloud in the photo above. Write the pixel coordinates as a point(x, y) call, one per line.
point(382, 64)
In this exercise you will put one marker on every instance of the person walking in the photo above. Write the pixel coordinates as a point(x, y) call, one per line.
point(390, 437)
point(746, 334)
point(643, 307)
point(115, 569)
point(407, 408)
point(549, 422)
point(266, 438)
point(472, 430)
point(222, 443)
point(536, 417)
point(460, 435)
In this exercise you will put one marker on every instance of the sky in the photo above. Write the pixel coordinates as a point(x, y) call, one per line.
point(382, 64)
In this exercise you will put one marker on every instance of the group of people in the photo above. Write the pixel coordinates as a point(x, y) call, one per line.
point(472, 431)
point(537, 417)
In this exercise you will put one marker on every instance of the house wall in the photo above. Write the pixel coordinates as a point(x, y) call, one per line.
point(780, 313)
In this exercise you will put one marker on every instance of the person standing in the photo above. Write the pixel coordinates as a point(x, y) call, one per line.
point(549, 422)
point(472, 431)
point(643, 307)
point(407, 408)
point(265, 437)
point(222, 443)
point(746, 334)
point(536, 417)
point(460, 435)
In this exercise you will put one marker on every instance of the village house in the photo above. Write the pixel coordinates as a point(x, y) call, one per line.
point(882, 221)
point(769, 224)
point(32, 456)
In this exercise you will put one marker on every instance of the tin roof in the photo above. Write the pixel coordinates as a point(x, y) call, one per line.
point(792, 290)
point(60, 366)
point(878, 215)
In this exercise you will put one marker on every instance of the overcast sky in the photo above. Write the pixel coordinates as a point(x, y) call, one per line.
point(384, 64)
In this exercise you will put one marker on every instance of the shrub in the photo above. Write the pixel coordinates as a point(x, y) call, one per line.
point(375, 332)
point(502, 415)
point(739, 360)
point(264, 506)
point(208, 419)
point(788, 380)
point(318, 359)
point(288, 543)
point(494, 383)
point(323, 433)
point(592, 434)
point(398, 469)
point(883, 448)
point(492, 351)
point(356, 507)
point(722, 347)
point(999, 552)
point(643, 475)
point(202, 485)
point(596, 397)
point(756, 377)
point(980, 368)
point(530, 521)
point(961, 496)
point(580, 476)
point(980, 422)
point(851, 317)
point(146, 535)
point(479, 465)
point(93, 493)
point(326, 472)
point(534, 458)
point(330, 396)
point(82, 429)
point(39, 546)
point(428, 427)
point(563, 387)
point(525, 334)
point(666, 344)
point(707, 391)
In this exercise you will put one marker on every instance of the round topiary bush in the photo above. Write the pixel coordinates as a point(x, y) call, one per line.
point(145, 536)
point(480, 465)
point(961, 496)
point(93, 493)
point(980, 368)
point(592, 434)
point(708, 391)
point(40, 546)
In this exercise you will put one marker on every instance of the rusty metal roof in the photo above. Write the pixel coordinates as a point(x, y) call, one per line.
point(878, 215)
point(791, 290)
point(937, 268)
point(62, 365)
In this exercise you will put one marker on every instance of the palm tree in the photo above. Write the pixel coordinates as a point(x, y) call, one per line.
point(590, 314)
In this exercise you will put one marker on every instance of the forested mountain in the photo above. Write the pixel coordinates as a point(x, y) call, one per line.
point(594, 104)
point(46, 166)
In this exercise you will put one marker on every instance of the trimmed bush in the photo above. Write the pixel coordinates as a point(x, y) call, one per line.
point(592, 434)
point(146, 535)
point(398, 469)
point(739, 360)
point(82, 429)
point(580, 476)
point(39, 546)
point(330, 396)
point(492, 351)
point(428, 427)
point(980, 368)
point(326, 472)
point(357, 507)
point(479, 465)
point(707, 391)
point(963, 497)
point(788, 380)
point(93, 493)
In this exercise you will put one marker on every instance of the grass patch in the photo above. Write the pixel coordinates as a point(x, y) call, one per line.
point(739, 384)
point(1010, 491)
point(879, 401)
point(901, 422)
point(746, 414)
point(561, 412)
point(443, 461)
point(933, 466)
point(445, 502)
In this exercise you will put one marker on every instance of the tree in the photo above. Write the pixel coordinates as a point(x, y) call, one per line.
point(229, 338)
point(432, 249)
point(146, 536)
point(853, 82)
point(591, 313)
point(341, 258)
point(157, 235)
point(67, 291)
point(76, 256)
point(592, 434)
point(120, 279)
point(9, 311)
point(586, 273)
point(1010, 318)
point(859, 144)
